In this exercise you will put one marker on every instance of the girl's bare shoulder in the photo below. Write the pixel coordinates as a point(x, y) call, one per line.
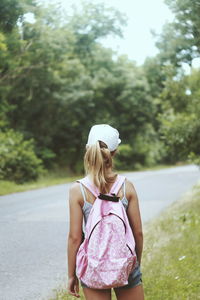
point(130, 190)
point(75, 194)
point(75, 187)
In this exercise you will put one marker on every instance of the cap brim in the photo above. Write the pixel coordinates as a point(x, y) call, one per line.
point(119, 141)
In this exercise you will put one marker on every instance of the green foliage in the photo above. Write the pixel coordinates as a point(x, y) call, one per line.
point(50, 93)
point(57, 80)
point(155, 74)
point(124, 158)
point(47, 156)
point(18, 160)
point(179, 113)
point(146, 150)
point(92, 22)
point(58, 93)
point(180, 127)
point(180, 40)
point(194, 158)
point(11, 11)
point(179, 131)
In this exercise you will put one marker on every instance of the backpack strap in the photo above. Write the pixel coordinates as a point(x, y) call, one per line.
point(117, 185)
point(94, 190)
point(87, 183)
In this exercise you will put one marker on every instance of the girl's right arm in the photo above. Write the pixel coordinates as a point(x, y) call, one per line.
point(134, 217)
point(74, 237)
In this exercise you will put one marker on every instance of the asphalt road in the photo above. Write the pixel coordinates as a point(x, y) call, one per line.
point(34, 224)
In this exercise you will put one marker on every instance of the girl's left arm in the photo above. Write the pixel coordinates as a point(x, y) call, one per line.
point(74, 237)
point(133, 213)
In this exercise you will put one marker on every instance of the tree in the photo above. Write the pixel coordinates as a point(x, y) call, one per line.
point(11, 11)
point(91, 22)
point(180, 40)
point(180, 127)
point(50, 91)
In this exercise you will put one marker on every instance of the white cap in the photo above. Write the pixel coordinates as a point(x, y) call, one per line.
point(106, 134)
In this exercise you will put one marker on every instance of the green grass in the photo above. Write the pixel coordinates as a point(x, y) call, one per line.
point(51, 178)
point(55, 177)
point(171, 264)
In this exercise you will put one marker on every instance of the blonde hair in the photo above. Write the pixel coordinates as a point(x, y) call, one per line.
point(97, 160)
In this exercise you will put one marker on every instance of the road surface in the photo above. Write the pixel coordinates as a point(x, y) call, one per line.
point(34, 224)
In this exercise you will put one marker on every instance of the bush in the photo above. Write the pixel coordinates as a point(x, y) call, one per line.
point(146, 151)
point(124, 158)
point(18, 162)
point(181, 134)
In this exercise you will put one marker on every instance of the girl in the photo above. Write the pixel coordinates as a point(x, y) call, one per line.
point(102, 144)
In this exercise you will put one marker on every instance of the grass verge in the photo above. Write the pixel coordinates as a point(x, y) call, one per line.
point(171, 265)
point(8, 187)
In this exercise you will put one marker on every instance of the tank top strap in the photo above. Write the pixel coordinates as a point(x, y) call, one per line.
point(94, 190)
point(82, 192)
point(124, 188)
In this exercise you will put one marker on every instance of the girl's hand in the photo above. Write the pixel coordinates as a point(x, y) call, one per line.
point(73, 286)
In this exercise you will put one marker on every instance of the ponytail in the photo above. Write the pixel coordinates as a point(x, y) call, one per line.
point(97, 160)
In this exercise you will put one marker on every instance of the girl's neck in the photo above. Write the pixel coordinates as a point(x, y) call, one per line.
point(111, 173)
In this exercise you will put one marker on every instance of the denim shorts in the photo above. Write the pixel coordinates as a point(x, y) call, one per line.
point(134, 279)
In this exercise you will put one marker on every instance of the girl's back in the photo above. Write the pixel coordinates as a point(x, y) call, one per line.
point(102, 145)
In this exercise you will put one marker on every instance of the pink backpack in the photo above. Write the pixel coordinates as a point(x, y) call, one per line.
point(107, 255)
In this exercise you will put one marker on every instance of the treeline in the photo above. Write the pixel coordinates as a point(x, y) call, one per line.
point(57, 80)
